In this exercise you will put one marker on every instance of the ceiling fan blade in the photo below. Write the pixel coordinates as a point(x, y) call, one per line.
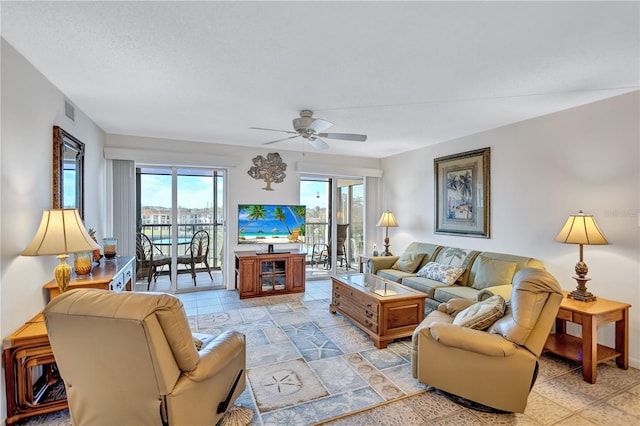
point(318, 125)
point(318, 143)
point(280, 140)
point(272, 130)
point(344, 136)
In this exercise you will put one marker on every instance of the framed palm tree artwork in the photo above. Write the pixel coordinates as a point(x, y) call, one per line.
point(462, 194)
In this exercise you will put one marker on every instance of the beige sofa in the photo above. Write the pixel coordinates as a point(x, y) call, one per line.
point(485, 273)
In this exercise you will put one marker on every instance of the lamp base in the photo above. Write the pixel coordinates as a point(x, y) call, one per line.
point(62, 273)
point(581, 293)
point(386, 251)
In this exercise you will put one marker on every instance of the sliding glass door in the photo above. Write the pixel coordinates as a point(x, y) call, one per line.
point(174, 204)
point(335, 207)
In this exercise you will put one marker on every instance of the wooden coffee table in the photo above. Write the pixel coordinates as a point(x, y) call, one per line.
point(381, 308)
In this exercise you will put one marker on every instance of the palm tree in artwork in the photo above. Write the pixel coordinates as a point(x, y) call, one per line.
point(452, 204)
point(255, 212)
point(299, 213)
point(278, 213)
point(465, 187)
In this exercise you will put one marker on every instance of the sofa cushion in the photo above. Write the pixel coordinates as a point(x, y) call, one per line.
point(520, 261)
point(422, 284)
point(492, 272)
point(440, 272)
point(408, 262)
point(393, 274)
point(454, 256)
point(431, 250)
point(481, 315)
point(446, 293)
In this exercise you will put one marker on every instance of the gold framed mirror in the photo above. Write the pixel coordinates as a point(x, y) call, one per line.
point(68, 171)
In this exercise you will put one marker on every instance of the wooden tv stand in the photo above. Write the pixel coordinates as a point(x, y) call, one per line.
point(267, 274)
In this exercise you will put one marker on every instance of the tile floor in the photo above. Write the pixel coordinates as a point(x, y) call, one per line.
point(559, 397)
point(202, 299)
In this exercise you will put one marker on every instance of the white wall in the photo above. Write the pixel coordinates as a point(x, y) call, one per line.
point(31, 106)
point(241, 189)
point(542, 170)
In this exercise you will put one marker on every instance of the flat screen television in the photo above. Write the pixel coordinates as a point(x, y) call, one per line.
point(270, 224)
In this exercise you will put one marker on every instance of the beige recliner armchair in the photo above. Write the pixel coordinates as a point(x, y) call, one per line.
point(496, 367)
point(130, 359)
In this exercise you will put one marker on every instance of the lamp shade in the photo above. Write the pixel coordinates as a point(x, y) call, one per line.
point(581, 229)
point(387, 220)
point(61, 231)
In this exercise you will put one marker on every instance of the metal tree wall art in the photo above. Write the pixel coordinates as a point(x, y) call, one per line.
point(270, 169)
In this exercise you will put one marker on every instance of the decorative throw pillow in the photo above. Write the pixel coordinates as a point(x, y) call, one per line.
point(408, 262)
point(481, 315)
point(492, 272)
point(440, 272)
point(456, 256)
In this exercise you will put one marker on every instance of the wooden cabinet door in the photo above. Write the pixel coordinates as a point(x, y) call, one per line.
point(248, 276)
point(297, 273)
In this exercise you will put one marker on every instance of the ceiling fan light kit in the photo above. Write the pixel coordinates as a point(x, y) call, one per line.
point(312, 130)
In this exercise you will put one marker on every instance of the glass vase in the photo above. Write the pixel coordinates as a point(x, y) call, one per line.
point(110, 247)
point(82, 263)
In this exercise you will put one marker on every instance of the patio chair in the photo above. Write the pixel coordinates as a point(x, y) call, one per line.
point(149, 259)
point(197, 252)
point(321, 252)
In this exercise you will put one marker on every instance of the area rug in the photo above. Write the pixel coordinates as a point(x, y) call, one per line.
point(306, 365)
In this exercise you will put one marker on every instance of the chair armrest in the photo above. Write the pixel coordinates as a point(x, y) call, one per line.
point(471, 340)
point(215, 356)
point(455, 306)
point(502, 290)
point(380, 262)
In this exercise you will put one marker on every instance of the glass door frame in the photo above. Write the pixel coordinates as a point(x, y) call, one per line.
point(218, 222)
point(334, 193)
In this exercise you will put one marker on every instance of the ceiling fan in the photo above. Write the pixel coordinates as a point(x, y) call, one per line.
point(312, 130)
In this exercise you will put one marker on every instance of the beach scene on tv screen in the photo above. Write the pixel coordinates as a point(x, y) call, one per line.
point(270, 224)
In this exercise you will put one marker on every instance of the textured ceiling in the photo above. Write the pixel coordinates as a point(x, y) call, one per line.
point(406, 74)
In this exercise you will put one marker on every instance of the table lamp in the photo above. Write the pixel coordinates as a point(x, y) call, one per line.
point(388, 221)
point(61, 232)
point(581, 229)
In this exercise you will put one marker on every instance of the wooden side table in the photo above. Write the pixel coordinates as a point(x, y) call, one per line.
point(26, 348)
point(586, 349)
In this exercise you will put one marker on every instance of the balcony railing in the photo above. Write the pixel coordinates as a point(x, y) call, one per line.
point(161, 236)
point(316, 233)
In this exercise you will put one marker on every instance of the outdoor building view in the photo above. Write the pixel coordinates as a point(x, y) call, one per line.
point(200, 207)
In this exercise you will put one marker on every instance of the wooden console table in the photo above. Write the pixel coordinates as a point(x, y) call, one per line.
point(27, 351)
point(586, 349)
point(115, 275)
